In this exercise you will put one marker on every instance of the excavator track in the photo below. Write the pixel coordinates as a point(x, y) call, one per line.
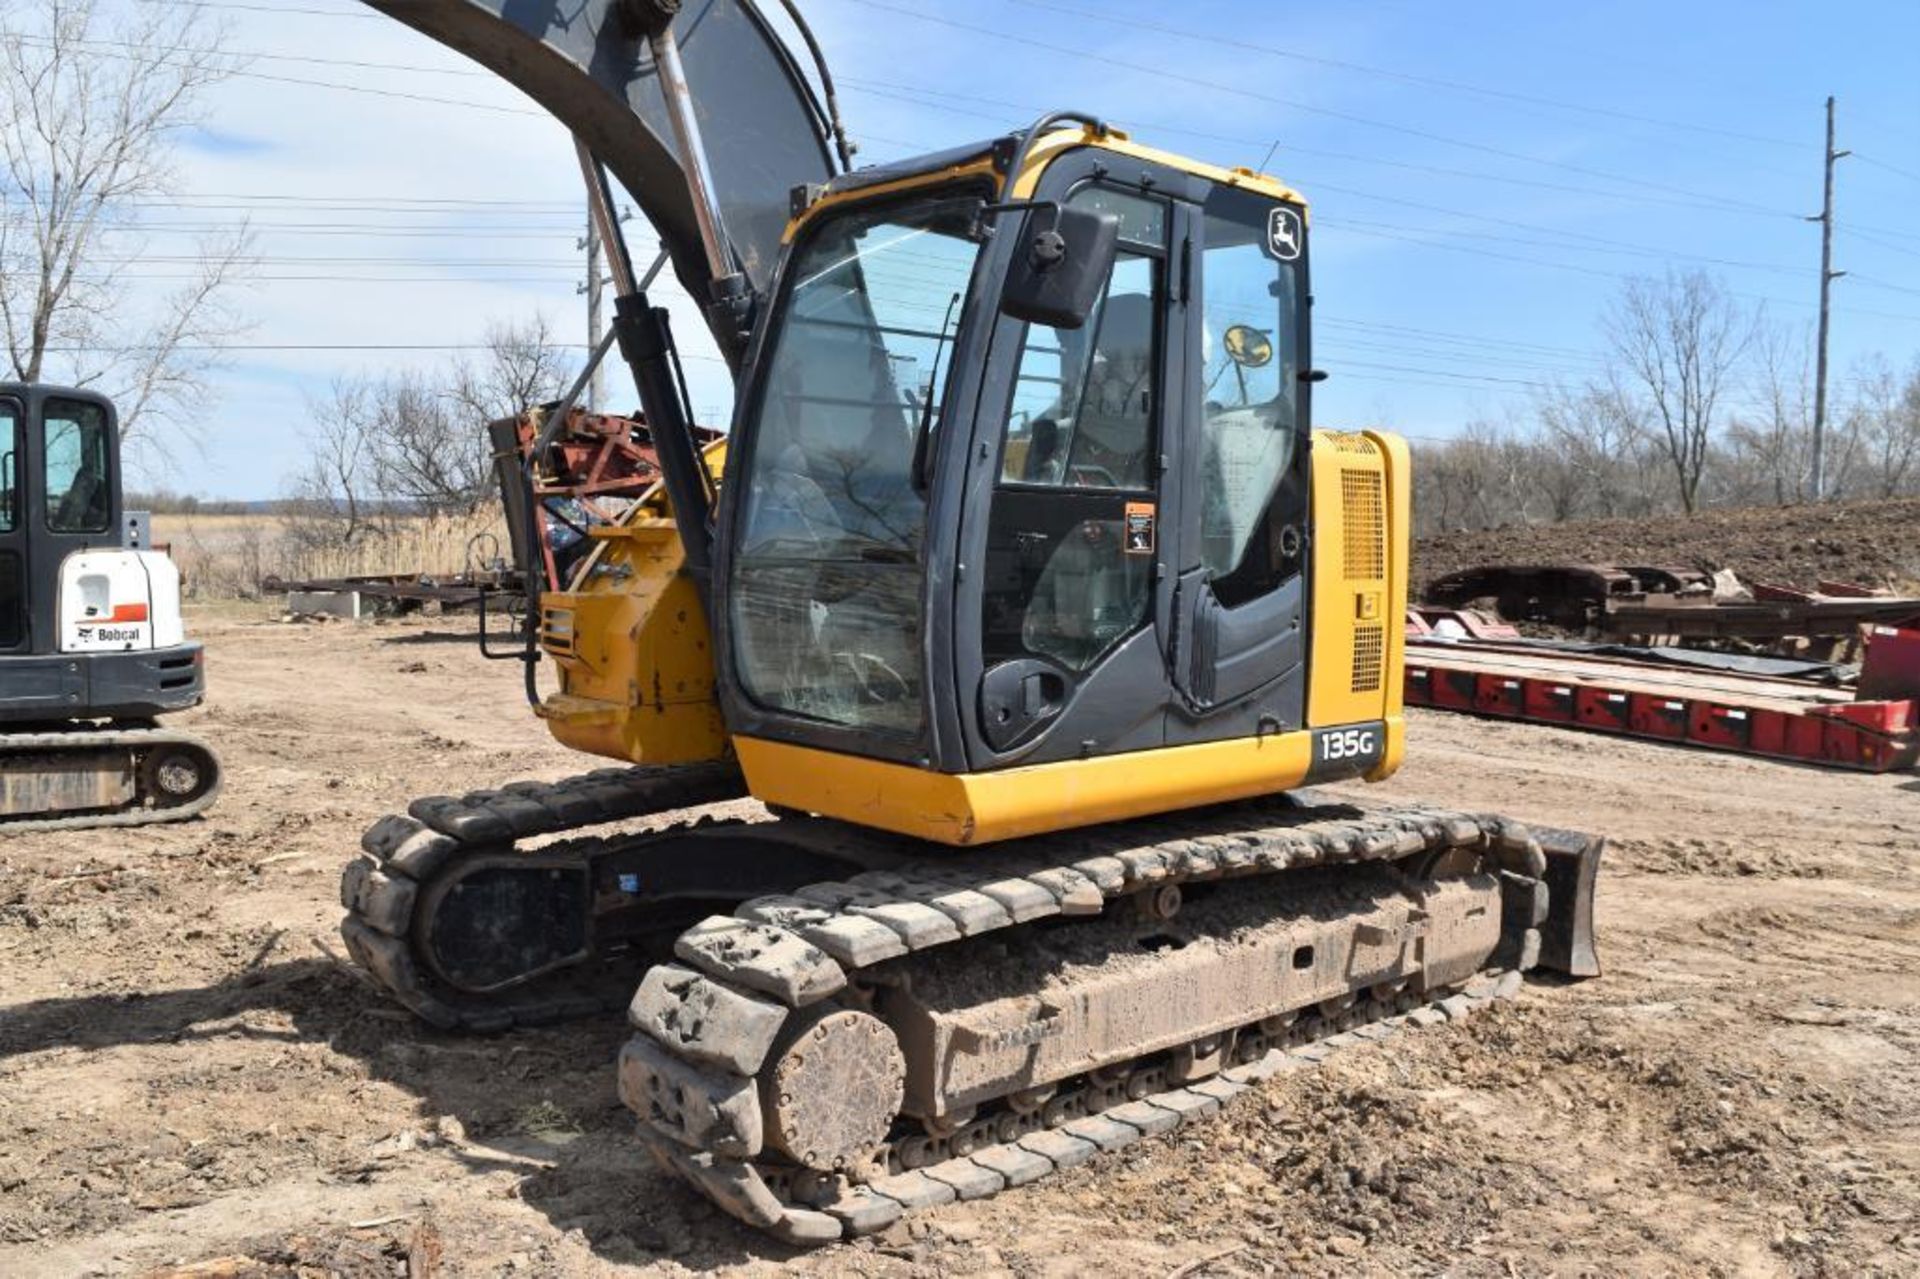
point(765, 1069)
point(104, 778)
point(390, 893)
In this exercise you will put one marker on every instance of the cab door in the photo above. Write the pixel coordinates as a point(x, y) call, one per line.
point(1063, 602)
point(13, 541)
point(1239, 659)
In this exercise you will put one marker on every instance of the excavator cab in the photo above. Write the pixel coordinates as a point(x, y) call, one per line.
point(59, 493)
point(962, 541)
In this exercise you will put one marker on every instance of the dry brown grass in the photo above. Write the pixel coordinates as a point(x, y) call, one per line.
point(227, 556)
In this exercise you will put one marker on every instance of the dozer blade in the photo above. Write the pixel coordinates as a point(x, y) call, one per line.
point(1573, 864)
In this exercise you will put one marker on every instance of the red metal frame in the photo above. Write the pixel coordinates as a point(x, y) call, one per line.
point(598, 460)
point(1875, 736)
point(1890, 668)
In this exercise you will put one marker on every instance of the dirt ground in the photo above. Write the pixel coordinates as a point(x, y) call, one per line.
point(186, 1076)
point(1866, 543)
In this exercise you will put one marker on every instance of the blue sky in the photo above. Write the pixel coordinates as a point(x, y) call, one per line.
point(1481, 175)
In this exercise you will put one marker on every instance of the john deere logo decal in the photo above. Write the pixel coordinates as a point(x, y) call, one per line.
point(1283, 234)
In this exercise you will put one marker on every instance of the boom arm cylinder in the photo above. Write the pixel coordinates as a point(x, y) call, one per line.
point(647, 344)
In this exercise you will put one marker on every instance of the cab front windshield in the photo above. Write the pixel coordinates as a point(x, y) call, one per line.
point(827, 575)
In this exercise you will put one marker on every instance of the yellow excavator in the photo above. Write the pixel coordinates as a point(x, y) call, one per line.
point(1023, 597)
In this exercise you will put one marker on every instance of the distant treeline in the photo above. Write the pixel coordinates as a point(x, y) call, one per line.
point(1697, 402)
point(167, 502)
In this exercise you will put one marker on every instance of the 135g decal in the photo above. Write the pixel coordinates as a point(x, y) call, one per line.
point(1347, 751)
point(1349, 743)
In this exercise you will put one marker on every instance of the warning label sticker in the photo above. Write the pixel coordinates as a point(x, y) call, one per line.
point(1140, 524)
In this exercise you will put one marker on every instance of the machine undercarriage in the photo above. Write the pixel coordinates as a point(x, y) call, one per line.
point(83, 776)
point(836, 1025)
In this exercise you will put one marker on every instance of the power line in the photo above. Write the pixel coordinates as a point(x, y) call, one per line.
point(1295, 104)
point(1873, 283)
point(344, 231)
point(1427, 207)
point(918, 96)
point(1434, 82)
point(255, 196)
point(1446, 335)
point(261, 55)
point(369, 347)
point(267, 8)
point(1890, 168)
point(311, 84)
point(1613, 275)
point(1873, 239)
point(1644, 251)
point(424, 264)
point(371, 204)
point(904, 94)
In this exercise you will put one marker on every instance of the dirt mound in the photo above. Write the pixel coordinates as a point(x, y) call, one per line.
point(1871, 543)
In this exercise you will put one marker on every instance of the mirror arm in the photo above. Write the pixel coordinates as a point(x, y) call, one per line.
point(988, 213)
point(1018, 161)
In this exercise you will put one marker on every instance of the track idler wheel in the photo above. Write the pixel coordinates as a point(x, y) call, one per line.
point(832, 1089)
point(176, 774)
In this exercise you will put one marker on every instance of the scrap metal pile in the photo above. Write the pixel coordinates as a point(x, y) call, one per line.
point(1654, 660)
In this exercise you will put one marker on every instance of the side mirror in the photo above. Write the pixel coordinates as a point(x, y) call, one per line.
point(1061, 268)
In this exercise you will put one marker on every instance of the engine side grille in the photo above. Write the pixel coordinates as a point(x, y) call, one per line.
point(556, 631)
point(1369, 655)
point(1366, 525)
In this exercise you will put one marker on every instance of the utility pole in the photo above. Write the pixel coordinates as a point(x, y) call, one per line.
point(596, 393)
point(1827, 276)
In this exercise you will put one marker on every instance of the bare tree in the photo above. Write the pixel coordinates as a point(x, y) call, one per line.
point(524, 366)
point(1599, 447)
point(416, 442)
point(1885, 419)
point(334, 493)
point(1486, 477)
point(89, 109)
point(1774, 440)
point(1677, 343)
point(432, 451)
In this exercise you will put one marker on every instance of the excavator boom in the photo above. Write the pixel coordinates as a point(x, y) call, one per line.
point(592, 65)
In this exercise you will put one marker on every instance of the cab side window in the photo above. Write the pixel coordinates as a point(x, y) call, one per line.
point(13, 613)
point(9, 464)
point(1080, 407)
point(1252, 495)
point(78, 453)
point(1067, 579)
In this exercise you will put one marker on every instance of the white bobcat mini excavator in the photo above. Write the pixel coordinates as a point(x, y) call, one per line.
point(92, 648)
